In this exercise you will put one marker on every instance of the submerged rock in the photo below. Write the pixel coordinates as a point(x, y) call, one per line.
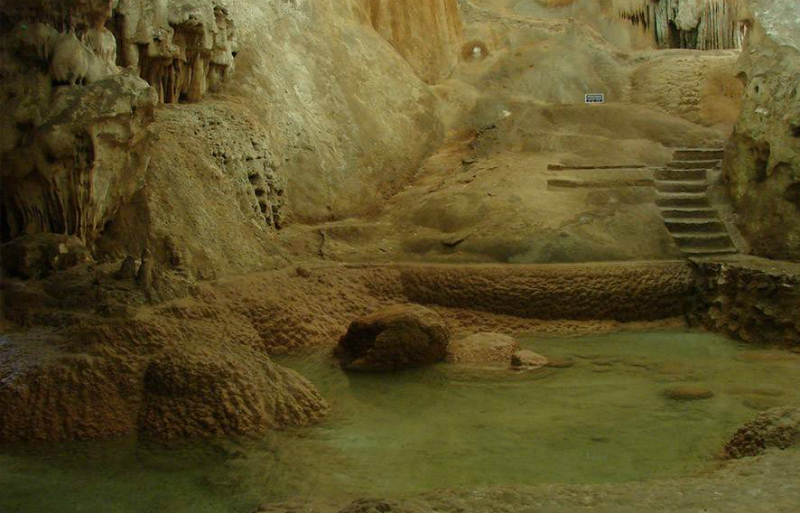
point(482, 348)
point(394, 338)
point(205, 391)
point(527, 360)
point(777, 427)
point(688, 393)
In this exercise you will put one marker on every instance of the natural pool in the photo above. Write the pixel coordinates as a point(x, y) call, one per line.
point(602, 419)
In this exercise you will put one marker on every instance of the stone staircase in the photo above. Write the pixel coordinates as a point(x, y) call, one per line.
point(681, 195)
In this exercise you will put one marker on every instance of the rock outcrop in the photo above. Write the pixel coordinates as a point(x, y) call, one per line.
point(774, 428)
point(394, 338)
point(762, 162)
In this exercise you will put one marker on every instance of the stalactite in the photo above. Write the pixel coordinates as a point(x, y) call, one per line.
point(717, 23)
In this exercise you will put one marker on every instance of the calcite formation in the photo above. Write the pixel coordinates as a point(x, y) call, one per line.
point(427, 34)
point(697, 24)
point(762, 165)
point(75, 110)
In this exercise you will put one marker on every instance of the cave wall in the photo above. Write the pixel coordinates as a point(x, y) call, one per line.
point(77, 102)
point(326, 115)
point(762, 164)
point(322, 120)
point(427, 34)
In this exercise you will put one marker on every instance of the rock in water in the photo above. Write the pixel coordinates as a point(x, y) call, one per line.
point(204, 391)
point(777, 427)
point(394, 338)
point(688, 393)
point(482, 348)
point(528, 360)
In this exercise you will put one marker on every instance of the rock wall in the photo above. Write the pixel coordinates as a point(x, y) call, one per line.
point(753, 299)
point(74, 121)
point(762, 164)
point(427, 34)
point(323, 119)
point(700, 86)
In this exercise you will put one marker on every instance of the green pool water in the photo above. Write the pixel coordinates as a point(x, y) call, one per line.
point(604, 419)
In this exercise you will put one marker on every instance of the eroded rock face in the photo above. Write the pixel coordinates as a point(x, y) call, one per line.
point(762, 164)
point(753, 299)
point(70, 154)
point(76, 110)
point(394, 338)
point(427, 34)
point(196, 392)
point(482, 348)
point(774, 428)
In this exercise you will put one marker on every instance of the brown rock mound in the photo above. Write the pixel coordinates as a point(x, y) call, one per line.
point(203, 391)
point(777, 427)
point(394, 338)
point(482, 348)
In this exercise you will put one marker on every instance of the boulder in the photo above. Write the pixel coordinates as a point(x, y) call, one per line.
point(482, 348)
point(394, 338)
point(776, 427)
point(527, 360)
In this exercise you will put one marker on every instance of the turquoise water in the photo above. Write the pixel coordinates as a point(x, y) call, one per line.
point(604, 419)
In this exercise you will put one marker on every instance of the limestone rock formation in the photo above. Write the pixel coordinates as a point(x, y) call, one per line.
point(427, 34)
point(696, 24)
point(36, 256)
point(774, 428)
point(527, 360)
point(70, 155)
point(201, 392)
point(183, 48)
point(394, 338)
point(482, 348)
point(762, 164)
point(753, 299)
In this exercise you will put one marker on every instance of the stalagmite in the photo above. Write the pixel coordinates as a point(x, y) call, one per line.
point(696, 24)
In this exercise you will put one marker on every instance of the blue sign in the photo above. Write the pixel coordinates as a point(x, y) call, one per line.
point(595, 98)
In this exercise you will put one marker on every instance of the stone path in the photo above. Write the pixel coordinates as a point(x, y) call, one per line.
point(681, 195)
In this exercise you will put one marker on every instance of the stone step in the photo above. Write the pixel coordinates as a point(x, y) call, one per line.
point(696, 213)
point(682, 199)
point(680, 174)
point(698, 154)
point(681, 186)
point(694, 225)
point(693, 164)
point(718, 240)
point(709, 251)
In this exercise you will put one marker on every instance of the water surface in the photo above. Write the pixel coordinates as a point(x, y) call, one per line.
point(604, 419)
